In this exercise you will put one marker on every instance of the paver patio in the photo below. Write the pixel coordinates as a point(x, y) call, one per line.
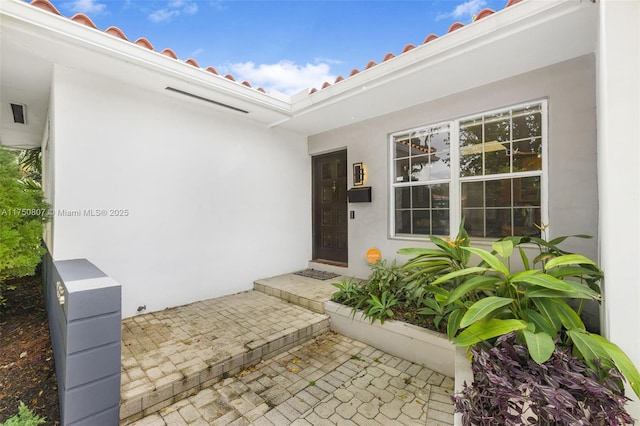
point(332, 380)
point(253, 358)
point(170, 354)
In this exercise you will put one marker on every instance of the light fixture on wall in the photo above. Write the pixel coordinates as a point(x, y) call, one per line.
point(358, 174)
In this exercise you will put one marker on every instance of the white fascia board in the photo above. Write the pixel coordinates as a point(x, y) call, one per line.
point(47, 26)
point(500, 25)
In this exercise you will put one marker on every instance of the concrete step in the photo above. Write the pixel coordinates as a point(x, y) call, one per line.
point(306, 292)
point(172, 354)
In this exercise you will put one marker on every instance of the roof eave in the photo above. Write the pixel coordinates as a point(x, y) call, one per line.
point(70, 43)
point(527, 17)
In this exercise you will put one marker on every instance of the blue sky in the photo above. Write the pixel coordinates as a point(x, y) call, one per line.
point(286, 46)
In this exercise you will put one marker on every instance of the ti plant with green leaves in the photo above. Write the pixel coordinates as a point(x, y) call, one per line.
point(427, 266)
point(532, 302)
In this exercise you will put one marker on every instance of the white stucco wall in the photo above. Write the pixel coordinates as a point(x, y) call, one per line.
point(214, 201)
point(618, 160)
point(573, 202)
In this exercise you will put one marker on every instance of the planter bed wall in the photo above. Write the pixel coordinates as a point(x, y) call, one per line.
point(415, 344)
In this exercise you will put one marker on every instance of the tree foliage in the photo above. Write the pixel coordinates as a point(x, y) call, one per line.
point(23, 212)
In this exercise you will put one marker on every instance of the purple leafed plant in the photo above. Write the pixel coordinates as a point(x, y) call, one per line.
point(512, 389)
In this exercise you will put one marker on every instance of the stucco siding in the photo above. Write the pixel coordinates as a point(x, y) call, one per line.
point(199, 202)
point(569, 88)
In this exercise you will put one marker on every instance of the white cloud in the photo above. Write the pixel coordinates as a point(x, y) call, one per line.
point(174, 8)
point(86, 6)
point(162, 15)
point(197, 52)
point(285, 76)
point(464, 10)
point(327, 61)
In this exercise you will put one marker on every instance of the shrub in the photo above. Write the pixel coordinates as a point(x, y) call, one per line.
point(376, 295)
point(22, 215)
point(510, 388)
point(25, 417)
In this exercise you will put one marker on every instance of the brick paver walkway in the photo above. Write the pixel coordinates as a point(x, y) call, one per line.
point(331, 380)
point(170, 354)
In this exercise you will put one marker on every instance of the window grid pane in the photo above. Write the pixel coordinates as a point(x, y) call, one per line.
point(422, 169)
point(422, 210)
point(500, 168)
point(501, 207)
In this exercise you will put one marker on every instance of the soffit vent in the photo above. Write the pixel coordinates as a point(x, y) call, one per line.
point(182, 92)
point(19, 113)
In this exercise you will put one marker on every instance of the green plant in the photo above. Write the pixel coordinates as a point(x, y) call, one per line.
point(427, 265)
point(380, 307)
point(30, 163)
point(436, 306)
point(25, 417)
point(22, 215)
point(533, 303)
point(376, 295)
point(349, 292)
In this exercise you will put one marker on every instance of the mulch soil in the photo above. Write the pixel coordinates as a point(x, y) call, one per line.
point(27, 370)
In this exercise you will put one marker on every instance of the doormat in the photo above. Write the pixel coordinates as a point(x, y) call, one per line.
point(316, 275)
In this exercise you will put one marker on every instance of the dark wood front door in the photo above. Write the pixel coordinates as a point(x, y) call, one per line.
point(330, 207)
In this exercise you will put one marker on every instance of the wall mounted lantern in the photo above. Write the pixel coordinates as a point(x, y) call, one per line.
point(358, 174)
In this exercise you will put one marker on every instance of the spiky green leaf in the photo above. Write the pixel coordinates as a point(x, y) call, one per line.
point(483, 307)
point(541, 322)
point(459, 273)
point(593, 346)
point(547, 309)
point(542, 280)
point(568, 317)
point(485, 330)
point(453, 323)
point(476, 283)
point(503, 247)
point(489, 259)
point(569, 259)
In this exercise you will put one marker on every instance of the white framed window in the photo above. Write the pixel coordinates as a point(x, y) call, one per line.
point(489, 168)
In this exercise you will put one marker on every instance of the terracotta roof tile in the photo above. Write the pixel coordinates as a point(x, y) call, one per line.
point(170, 53)
point(193, 62)
point(408, 47)
point(429, 38)
point(484, 13)
point(83, 19)
point(455, 26)
point(142, 42)
point(45, 5)
point(116, 32)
